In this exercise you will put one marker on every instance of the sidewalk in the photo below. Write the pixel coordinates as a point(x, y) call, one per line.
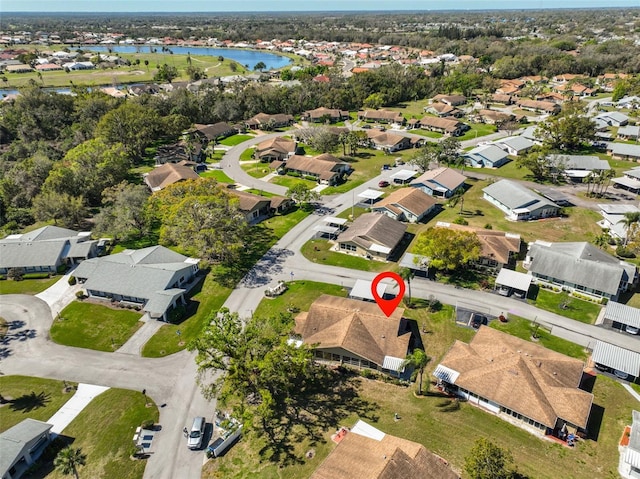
point(68, 412)
point(136, 342)
point(631, 391)
point(60, 294)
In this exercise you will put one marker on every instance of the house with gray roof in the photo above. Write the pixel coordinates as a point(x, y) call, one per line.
point(619, 316)
point(580, 267)
point(629, 132)
point(21, 445)
point(45, 250)
point(613, 118)
point(630, 181)
point(624, 151)
point(155, 278)
point(612, 216)
point(629, 464)
point(486, 156)
point(441, 182)
point(515, 145)
point(577, 167)
point(519, 203)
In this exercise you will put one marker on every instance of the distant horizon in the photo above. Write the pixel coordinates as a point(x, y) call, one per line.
point(294, 6)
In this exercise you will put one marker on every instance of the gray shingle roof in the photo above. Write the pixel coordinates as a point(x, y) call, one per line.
point(22, 254)
point(624, 149)
point(580, 263)
point(517, 142)
point(14, 439)
point(622, 313)
point(489, 152)
point(580, 162)
point(514, 196)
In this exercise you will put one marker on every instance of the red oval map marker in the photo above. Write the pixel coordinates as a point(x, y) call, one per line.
point(388, 306)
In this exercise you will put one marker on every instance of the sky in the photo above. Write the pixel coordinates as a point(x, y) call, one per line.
point(149, 6)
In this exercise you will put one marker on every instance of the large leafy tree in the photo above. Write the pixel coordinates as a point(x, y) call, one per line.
point(131, 124)
point(124, 213)
point(567, 131)
point(301, 193)
point(486, 460)
point(68, 460)
point(166, 73)
point(60, 207)
point(203, 219)
point(448, 248)
point(536, 162)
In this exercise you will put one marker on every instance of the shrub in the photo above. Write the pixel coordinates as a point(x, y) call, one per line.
point(625, 252)
point(80, 295)
point(15, 274)
point(295, 174)
point(488, 226)
point(148, 424)
point(72, 280)
point(460, 221)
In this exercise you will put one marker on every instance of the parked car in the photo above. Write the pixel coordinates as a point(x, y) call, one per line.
point(504, 291)
point(478, 320)
point(366, 127)
point(196, 433)
point(519, 293)
point(380, 127)
point(631, 329)
point(386, 167)
point(383, 183)
point(620, 374)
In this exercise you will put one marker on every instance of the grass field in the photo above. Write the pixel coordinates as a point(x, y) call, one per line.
point(449, 431)
point(290, 181)
point(103, 430)
point(26, 286)
point(256, 169)
point(318, 252)
point(235, 140)
point(300, 295)
point(577, 309)
point(280, 224)
point(28, 397)
point(219, 175)
point(94, 326)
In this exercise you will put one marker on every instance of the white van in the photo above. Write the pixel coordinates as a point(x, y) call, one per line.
point(196, 434)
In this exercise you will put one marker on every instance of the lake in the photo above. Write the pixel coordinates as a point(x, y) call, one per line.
point(243, 57)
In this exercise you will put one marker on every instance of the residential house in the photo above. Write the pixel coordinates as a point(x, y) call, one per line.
point(607, 81)
point(502, 98)
point(406, 204)
point(618, 316)
point(325, 115)
point(19, 68)
point(492, 117)
point(365, 451)
point(630, 181)
point(381, 116)
point(539, 106)
point(443, 110)
point(446, 126)
point(519, 381)
point(275, 149)
point(578, 167)
point(486, 156)
point(325, 169)
point(354, 332)
point(624, 151)
point(613, 215)
point(510, 87)
point(519, 203)
point(629, 447)
point(168, 174)
point(515, 145)
point(442, 182)
point(254, 207)
point(155, 278)
point(212, 132)
point(530, 133)
point(452, 100)
point(629, 102)
point(45, 250)
point(613, 118)
point(264, 121)
point(499, 249)
point(387, 141)
point(179, 152)
point(629, 132)
point(21, 446)
point(580, 267)
point(372, 235)
point(616, 360)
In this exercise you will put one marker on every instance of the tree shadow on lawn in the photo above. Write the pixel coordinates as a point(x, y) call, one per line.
point(319, 405)
point(30, 402)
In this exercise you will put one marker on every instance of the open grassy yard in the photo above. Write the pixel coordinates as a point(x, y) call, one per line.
point(290, 181)
point(219, 175)
point(317, 250)
point(28, 397)
point(94, 326)
point(257, 169)
point(103, 430)
point(26, 286)
point(580, 225)
point(450, 431)
point(427, 133)
point(235, 140)
point(280, 224)
point(477, 130)
point(299, 296)
point(583, 311)
point(247, 154)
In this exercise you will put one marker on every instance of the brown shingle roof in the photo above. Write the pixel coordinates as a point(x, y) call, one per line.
point(381, 115)
point(496, 245)
point(358, 456)
point(248, 201)
point(372, 228)
point(322, 111)
point(411, 199)
point(522, 376)
point(385, 138)
point(356, 326)
point(444, 123)
point(320, 165)
point(278, 144)
point(168, 174)
point(444, 176)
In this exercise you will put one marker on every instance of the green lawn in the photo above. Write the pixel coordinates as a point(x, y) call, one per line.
point(219, 175)
point(28, 397)
point(104, 429)
point(318, 252)
point(580, 225)
point(509, 170)
point(427, 133)
point(449, 432)
point(582, 311)
point(256, 169)
point(281, 224)
point(352, 212)
point(247, 154)
point(26, 286)
point(235, 140)
point(290, 181)
point(299, 296)
point(477, 130)
point(94, 326)
point(524, 329)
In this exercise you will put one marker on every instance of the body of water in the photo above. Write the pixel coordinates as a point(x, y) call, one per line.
point(243, 57)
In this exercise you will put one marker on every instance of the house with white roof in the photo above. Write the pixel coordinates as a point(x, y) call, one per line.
point(21, 446)
point(630, 181)
point(629, 465)
point(577, 167)
point(629, 132)
point(515, 145)
point(620, 316)
point(613, 118)
point(441, 182)
point(580, 267)
point(519, 203)
point(155, 278)
point(624, 151)
point(613, 215)
point(486, 156)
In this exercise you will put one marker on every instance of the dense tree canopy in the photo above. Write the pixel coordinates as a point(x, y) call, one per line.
point(448, 248)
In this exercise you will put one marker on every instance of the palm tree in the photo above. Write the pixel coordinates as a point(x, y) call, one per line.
point(407, 274)
point(68, 460)
point(417, 360)
point(630, 221)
